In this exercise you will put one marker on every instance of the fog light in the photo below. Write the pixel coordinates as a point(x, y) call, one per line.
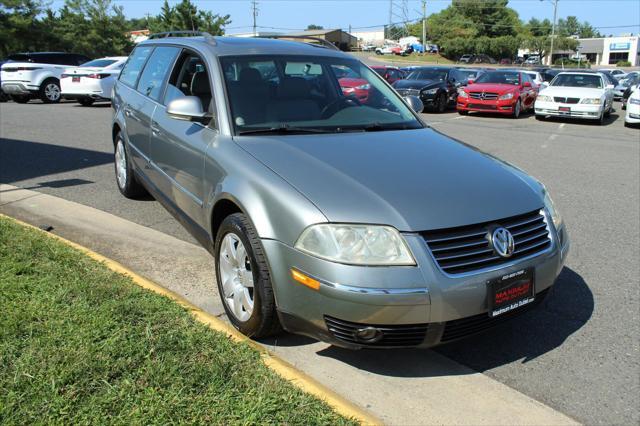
point(368, 334)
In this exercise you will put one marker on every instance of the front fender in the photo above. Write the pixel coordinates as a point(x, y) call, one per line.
point(276, 209)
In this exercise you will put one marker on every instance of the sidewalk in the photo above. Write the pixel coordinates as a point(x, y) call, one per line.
point(400, 386)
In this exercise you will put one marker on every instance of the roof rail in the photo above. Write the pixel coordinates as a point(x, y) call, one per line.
point(323, 42)
point(184, 33)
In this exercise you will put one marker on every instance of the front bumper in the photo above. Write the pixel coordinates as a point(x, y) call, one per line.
point(494, 106)
point(402, 299)
point(590, 112)
point(633, 114)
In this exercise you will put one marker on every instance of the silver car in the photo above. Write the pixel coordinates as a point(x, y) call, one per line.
point(330, 208)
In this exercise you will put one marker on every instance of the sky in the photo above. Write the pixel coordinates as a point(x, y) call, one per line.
point(283, 15)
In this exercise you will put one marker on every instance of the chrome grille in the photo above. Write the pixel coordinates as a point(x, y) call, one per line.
point(563, 100)
point(408, 92)
point(467, 248)
point(392, 335)
point(483, 96)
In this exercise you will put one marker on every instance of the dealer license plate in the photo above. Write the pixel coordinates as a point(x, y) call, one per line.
point(564, 109)
point(511, 291)
point(75, 79)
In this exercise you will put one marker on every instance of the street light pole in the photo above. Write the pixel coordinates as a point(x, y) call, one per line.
point(553, 29)
point(424, 26)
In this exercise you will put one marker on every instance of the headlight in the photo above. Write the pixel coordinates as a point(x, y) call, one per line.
point(430, 91)
point(506, 96)
point(356, 244)
point(545, 98)
point(591, 101)
point(364, 87)
point(463, 94)
point(551, 209)
point(634, 101)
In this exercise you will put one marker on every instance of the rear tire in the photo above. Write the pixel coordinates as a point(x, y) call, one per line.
point(243, 278)
point(125, 176)
point(50, 91)
point(85, 101)
point(20, 99)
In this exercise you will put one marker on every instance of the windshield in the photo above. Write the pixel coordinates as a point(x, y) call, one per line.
point(428, 74)
point(468, 74)
point(100, 63)
point(499, 77)
point(310, 94)
point(578, 80)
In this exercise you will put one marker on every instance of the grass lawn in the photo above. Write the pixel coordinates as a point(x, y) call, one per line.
point(82, 344)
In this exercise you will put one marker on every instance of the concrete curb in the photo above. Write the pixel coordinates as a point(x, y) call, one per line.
point(278, 365)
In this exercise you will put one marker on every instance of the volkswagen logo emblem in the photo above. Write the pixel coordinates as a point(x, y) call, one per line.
point(502, 242)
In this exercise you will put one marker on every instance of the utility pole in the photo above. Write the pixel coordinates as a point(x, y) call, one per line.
point(254, 10)
point(424, 26)
point(553, 29)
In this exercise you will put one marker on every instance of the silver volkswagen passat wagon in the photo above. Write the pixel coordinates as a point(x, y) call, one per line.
point(331, 209)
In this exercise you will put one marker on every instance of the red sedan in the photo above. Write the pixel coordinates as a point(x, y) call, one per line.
point(501, 92)
point(391, 74)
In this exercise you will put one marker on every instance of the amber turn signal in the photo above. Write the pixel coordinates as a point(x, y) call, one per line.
point(305, 280)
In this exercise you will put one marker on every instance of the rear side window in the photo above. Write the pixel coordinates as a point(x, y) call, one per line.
point(132, 68)
point(157, 67)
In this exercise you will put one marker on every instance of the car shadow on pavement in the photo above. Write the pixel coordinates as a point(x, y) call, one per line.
point(22, 160)
point(567, 308)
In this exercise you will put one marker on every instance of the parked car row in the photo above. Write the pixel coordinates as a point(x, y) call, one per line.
point(52, 76)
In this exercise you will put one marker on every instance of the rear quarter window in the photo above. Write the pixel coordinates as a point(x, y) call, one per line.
point(134, 64)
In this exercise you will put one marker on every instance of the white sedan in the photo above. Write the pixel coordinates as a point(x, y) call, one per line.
point(536, 77)
point(576, 95)
point(91, 81)
point(633, 108)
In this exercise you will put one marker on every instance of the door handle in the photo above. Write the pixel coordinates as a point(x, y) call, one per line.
point(154, 128)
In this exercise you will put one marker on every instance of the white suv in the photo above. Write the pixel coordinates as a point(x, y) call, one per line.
point(28, 76)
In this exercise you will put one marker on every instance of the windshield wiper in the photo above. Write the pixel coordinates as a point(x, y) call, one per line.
point(284, 129)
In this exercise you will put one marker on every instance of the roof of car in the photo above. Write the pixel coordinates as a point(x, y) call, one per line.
point(224, 46)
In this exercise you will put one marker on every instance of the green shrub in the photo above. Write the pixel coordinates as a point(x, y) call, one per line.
point(623, 64)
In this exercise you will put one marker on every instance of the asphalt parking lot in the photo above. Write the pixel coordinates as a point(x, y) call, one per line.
point(578, 353)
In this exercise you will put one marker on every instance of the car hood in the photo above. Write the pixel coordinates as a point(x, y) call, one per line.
point(352, 82)
point(413, 180)
point(491, 87)
point(572, 92)
point(415, 84)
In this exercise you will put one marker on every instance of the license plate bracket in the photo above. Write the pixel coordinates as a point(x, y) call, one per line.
point(511, 291)
point(75, 79)
point(564, 109)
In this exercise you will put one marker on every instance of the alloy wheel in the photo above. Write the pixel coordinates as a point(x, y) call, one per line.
point(52, 92)
point(121, 165)
point(236, 276)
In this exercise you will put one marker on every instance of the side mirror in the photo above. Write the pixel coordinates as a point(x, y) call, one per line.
point(187, 108)
point(526, 84)
point(609, 86)
point(415, 103)
point(471, 81)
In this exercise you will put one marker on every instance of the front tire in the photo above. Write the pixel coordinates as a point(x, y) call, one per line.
point(20, 99)
point(441, 103)
point(244, 281)
point(50, 91)
point(517, 109)
point(125, 176)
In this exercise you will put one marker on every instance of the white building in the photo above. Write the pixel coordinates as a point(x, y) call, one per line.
point(373, 37)
point(606, 50)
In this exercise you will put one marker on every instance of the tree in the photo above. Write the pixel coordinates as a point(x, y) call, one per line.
point(186, 16)
point(542, 44)
point(314, 27)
